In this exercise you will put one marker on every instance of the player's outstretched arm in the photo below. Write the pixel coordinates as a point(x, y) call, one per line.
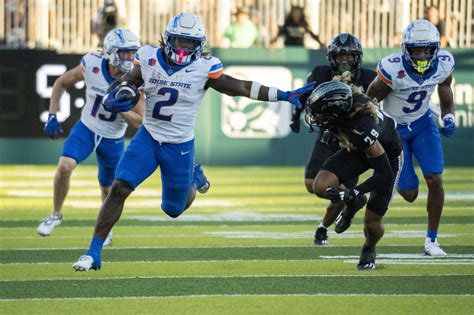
point(256, 91)
point(52, 128)
point(447, 107)
point(378, 89)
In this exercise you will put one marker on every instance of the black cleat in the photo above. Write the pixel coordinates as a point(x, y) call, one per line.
point(344, 220)
point(321, 237)
point(367, 259)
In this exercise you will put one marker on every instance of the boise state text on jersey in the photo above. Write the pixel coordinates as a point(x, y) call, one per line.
point(173, 93)
point(410, 96)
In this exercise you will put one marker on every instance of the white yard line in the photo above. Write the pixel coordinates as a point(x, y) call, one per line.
point(361, 275)
point(193, 296)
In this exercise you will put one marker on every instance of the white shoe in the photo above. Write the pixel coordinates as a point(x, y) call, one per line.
point(433, 249)
point(48, 224)
point(108, 240)
point(84, 263)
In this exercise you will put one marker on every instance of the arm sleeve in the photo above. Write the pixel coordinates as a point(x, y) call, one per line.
point(382, 179)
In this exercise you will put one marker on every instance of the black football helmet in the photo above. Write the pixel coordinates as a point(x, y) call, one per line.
point(345, 43)
point(327, 103)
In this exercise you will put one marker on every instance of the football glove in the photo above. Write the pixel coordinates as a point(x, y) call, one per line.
point(448, 126)
point(52, 128)
point(294, 96)
point(339, 194)
point(116, 105)
point(295, 122)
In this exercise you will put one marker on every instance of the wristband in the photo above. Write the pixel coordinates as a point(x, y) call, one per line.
point(448, 115)
point(254, 90)
point(272, 94)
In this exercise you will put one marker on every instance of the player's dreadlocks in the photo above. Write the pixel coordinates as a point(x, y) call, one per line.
point(361, 104)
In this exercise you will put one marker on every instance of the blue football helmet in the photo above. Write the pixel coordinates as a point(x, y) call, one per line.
point(418, 34)
point(189, 31)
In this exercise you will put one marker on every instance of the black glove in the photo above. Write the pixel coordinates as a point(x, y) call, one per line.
point(295, 120)
point(295, 123)
point(339, 194)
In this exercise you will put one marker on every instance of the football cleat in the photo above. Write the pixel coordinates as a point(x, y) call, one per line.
point(321, 237)
point(84, 263)
point(344, 220)
point(48, 224)
point(367, 259)
point(202, 184)
point(108, 240)
point(433, 248)
point(366, 265)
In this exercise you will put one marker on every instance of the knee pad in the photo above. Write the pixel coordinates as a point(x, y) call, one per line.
point(120, 188)
point(378, 204)
point(173, 210)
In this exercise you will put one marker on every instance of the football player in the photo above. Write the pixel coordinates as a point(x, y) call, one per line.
point(344, 55)
point(97, 130)
point(176, 75)
point(405, 83)
point(369, 141)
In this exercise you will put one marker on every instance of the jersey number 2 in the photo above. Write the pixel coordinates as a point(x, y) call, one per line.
point(415, 98)
point(173, 98)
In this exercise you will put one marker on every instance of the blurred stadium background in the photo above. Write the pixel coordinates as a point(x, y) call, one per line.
point(246, 247)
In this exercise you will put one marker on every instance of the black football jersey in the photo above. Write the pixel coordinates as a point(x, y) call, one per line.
point(321, 74)
point(363, 131)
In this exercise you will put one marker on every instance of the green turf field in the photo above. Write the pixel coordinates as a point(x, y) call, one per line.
point(246, 247)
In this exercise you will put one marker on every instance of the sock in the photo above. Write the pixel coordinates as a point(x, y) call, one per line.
point(432, 235)
point(95, 248)
point(321, 225)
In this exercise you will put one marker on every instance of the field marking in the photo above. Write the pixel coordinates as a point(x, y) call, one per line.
point(309, 234)
point(361, 275)
point(212, 247)
point(236, 296)
point(27, 189)
point(351, 259)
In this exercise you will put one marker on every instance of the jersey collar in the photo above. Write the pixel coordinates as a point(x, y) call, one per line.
point(416, 77)
point(170, 70)
point(105, 72)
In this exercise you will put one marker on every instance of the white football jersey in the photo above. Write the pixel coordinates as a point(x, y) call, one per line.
point(93, 115)
point(410, 96)
point(173, 93)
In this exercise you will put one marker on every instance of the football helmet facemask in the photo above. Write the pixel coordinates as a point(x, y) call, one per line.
point(420, 34)
point(345, 43)
point(184, 38)
point(120, 46)
point(327, 103)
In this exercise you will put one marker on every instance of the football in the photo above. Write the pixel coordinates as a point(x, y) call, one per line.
point(129, 90)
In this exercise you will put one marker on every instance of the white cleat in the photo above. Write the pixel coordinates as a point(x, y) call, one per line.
point(108, 240)
point(433, 249)
point(48, 224)
point(84, 263)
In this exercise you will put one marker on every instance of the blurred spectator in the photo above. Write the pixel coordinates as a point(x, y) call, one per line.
point(106, 20)
point(432, 15)
point(263, 33)
point(294, 29)
point(241, 33)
